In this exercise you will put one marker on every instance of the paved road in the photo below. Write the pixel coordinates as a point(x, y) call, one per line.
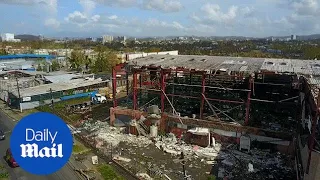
point(7, 124)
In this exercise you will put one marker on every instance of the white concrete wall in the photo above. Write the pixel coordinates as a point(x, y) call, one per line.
point(143, 54)
point(34, 104)
point(29, 105)
point(169, 53)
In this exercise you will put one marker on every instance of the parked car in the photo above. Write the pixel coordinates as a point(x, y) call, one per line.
point(10, 160)
point(2, 135)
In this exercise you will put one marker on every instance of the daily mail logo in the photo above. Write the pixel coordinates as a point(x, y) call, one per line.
point(32, 150)
point(41, 138)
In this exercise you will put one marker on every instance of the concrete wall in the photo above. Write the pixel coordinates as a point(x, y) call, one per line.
point(29, 105)
point(34, 104)
point(283, 146)
point(143, 54)
point(3, 95)
point(314, 171)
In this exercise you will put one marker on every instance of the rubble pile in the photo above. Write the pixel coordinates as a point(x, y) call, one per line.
point(172, 145)
point(257, 164)
point(106, 135)
point(226, 161)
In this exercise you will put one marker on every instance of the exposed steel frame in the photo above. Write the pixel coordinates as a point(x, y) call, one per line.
point(315, 106)
point(248, 101)
point(116, 69)
point(162, 82)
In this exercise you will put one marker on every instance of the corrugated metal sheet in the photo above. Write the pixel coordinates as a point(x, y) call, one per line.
point(61, 78)
point(201, 62)
point(44, 89)
point(306, 67)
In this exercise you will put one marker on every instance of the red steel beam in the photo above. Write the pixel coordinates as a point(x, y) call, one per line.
point(248, 101)
point(203, 83)
point(114, 86)
point(116, 68)
point(163, 88)
point(135, 89)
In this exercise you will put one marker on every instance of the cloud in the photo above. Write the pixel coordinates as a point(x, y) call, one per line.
point(88, 6)
point(247, 11)
point(303, 17)
point(113, 23)
point(49, 5)
point(305, 7)
point(162, 5)
point(118, 3)
point(213, 14)
point(77, 18)
point(52, 23)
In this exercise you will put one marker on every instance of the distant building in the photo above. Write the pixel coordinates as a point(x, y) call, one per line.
point(41, 52)
point(293, 37)
point(122, 38)
point(107, 38)
point(9, 37)
point(91, 39)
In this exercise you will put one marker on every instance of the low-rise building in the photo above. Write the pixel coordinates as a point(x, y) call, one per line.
point(32, 97)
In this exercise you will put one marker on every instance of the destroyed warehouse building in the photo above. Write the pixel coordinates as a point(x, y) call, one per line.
point(260, 105)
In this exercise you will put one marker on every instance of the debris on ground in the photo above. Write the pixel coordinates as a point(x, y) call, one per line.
point(160, 157)
point(94, 160)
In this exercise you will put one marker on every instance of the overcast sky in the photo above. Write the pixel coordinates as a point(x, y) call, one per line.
point(257, 18)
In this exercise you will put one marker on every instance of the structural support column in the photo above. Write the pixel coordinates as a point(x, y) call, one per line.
point(248, 100)
point(135, 90)
point(114, 87)
point(163, 89)
point(127, 81)
point(203, 83)
point(313, 131)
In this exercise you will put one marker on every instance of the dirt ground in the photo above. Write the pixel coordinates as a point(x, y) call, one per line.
point(157, 160)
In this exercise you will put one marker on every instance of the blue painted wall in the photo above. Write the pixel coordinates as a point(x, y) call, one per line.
point(18, 56)
point(87, 94)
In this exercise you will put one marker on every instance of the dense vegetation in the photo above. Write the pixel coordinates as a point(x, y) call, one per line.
point(252, 48)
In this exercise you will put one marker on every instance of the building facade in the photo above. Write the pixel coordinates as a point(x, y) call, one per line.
point(107, 39)
point(9, 37)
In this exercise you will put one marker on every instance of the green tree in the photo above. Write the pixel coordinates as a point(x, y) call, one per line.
point(311, 52)
point(39, 67)
point(153, 49)
point(3, 52)
point(77, 59)
point(106, 59)
point(55, 65)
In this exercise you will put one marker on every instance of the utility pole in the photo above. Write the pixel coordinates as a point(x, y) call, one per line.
point(8, 95)
point(52, 104)
point(19, 93)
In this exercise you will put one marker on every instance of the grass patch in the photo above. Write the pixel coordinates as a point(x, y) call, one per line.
point(211, 177)
point(78, 148)
point(107, 172)
point(4, 175)
point(28, 111)
point(62, 104)
point(59, 108)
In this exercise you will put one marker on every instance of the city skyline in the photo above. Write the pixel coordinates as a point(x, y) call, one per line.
point(56, 18)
